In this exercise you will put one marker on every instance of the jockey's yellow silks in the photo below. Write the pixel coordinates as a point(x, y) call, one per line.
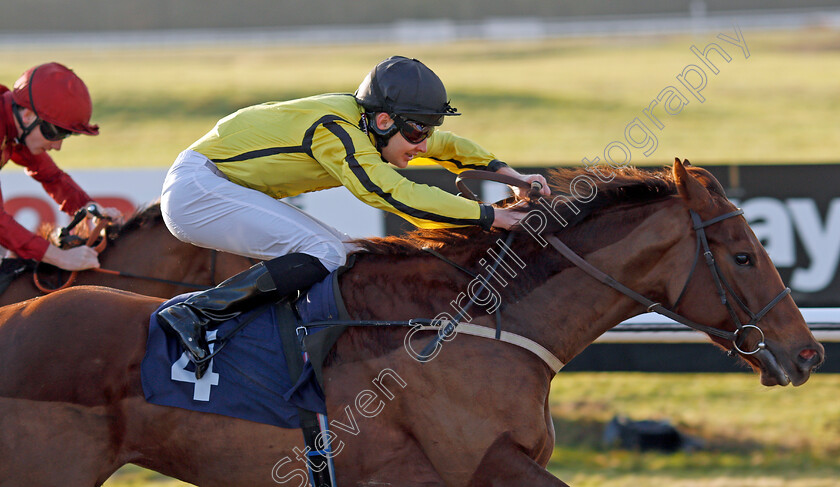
point(287, 148)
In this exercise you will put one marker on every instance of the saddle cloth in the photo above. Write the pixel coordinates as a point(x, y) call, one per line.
point(248, 378)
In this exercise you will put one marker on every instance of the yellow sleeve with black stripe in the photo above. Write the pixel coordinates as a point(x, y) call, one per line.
point(456, 154)
point(348, 155)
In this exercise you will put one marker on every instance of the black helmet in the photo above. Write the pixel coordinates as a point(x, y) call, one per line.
point(406, 87)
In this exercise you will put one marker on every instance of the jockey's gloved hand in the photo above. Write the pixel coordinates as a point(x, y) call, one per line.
point(108, 213)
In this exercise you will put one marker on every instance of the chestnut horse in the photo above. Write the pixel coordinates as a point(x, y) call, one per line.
point(72, 409)
point(144, 258)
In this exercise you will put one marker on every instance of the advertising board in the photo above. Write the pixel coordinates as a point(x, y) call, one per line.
point(793, 209)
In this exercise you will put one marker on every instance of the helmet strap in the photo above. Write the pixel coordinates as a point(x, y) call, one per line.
point(380, 136)
point(27, 129)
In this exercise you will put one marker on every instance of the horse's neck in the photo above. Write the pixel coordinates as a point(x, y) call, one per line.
point(549, 301)
point(571, 309)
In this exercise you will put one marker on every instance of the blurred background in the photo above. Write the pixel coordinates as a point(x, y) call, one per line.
point(746, 88)
point(541, 83)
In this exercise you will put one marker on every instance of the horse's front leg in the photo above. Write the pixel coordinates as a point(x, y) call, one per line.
point(507, 464)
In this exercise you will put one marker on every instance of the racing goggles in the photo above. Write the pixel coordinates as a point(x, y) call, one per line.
point(53, 133)
point(413, 132)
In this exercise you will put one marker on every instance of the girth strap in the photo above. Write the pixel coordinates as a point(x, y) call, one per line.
point(520, 341)
point(319, 477)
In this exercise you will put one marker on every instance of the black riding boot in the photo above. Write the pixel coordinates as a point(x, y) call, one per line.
point(265, 282)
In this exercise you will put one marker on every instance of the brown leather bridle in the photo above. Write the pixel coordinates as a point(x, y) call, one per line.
point(98, 239)
point(721, 285)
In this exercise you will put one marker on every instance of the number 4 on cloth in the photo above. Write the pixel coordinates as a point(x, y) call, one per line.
point(203, 385)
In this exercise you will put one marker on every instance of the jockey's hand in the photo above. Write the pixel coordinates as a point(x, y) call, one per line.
point(529, 178)
point(75, 259)
point(505, 218)
point(109, 213)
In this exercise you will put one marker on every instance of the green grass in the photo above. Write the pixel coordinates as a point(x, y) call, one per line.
point(754, 436)
point(536, 102)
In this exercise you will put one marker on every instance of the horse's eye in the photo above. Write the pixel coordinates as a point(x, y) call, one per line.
point(743, 259)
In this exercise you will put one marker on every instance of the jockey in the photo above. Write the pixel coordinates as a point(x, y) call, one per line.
point(47, 104)
point(225, 191)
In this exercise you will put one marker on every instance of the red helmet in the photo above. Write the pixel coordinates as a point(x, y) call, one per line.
point(57, 96)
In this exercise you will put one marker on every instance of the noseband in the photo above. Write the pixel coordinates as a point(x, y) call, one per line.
point(720, 281)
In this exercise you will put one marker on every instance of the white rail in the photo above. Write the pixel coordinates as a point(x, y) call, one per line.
point(654, 328)
point(439, 30)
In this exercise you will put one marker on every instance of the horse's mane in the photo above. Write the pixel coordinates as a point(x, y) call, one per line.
point(623, 186)
point(143, 217)
point(627, 186)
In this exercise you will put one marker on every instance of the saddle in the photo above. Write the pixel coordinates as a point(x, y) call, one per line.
point(249, 377)
point(257, 371)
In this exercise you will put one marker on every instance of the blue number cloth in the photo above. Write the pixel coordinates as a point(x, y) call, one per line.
point(248, 378)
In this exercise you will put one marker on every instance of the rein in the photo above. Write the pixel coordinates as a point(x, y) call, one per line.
point(534, 190)
point(445, 332)
point(153, 279)
point(720, 283)
point(99, 232)
point(476, 175)
point(428, 349)
point(699, 226)
point(214, 256)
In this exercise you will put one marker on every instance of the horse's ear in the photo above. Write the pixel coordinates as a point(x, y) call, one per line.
point(695, 195)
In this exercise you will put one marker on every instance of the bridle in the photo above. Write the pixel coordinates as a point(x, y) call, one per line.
point(721, 285)
point(699, 226)
point(98, 239)
point(448, 327)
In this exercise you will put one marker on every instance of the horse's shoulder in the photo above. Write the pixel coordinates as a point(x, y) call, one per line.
point(101, 294)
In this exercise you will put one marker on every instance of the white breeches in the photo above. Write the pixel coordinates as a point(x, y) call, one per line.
point(202, 207)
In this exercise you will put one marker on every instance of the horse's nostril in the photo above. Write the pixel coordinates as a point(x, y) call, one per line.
point(809, 358)
point(807, 354)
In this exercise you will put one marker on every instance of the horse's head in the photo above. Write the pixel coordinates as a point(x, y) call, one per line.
point(733, 286)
